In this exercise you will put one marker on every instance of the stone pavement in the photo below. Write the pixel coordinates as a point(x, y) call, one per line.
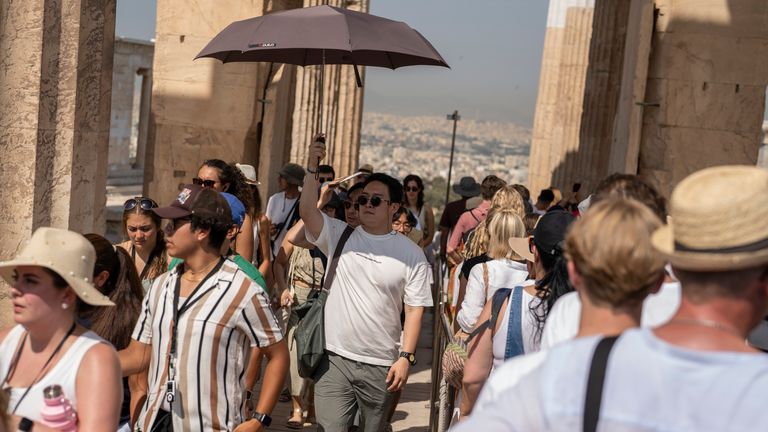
point(412, 414)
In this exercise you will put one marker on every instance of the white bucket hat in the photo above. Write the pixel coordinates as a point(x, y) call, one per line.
point(249, 172)
point(718, 220)
point(67, 253)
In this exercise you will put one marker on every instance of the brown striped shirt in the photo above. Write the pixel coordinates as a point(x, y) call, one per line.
point(215, 337)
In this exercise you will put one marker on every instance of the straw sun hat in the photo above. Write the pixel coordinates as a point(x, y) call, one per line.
point(718, 220)
point(65, 252)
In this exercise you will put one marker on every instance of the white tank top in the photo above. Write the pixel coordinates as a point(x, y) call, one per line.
point(64, 373)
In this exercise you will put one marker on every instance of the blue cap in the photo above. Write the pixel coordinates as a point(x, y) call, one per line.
point(238, 209)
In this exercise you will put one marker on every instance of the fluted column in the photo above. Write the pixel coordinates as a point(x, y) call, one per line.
point(561, 91)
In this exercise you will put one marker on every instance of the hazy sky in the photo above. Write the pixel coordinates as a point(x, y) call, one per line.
point(493, 46)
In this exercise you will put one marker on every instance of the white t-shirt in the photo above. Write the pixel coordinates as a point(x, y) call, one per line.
point(650, 385)
point(502, 273)
point(279, 211)
point(564, 318)
point(374, 276)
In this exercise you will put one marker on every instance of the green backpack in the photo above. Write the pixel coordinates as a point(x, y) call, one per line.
point(310, 333)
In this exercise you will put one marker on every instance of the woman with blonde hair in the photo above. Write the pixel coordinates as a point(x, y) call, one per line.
point(505, 268)
point(477, 245)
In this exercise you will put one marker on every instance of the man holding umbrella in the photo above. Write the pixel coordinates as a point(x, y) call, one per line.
point(377, 272)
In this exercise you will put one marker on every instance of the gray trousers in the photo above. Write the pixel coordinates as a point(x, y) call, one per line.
point(344, 386)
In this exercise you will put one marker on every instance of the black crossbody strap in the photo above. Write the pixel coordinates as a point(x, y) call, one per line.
point(595, 382)
point(330, 274)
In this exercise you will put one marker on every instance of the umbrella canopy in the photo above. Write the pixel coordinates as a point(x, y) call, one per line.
point(323, 35)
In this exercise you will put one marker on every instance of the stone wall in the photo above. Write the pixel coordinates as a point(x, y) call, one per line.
point(54, 113)
point(708, 73)
point(132, 66)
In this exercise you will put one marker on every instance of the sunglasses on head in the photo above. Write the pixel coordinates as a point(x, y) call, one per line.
point(411, 189)
point(144, 203)
point(204, 183)
point(375, 201)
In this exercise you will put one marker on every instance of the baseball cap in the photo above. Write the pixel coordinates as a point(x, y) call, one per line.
point(194, 199)
point(237, 207)
point(550, 231)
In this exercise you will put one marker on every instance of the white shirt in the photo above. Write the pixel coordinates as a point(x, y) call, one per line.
point(564, 318)
point(374, 276)
point(502, 273)
point(650, 385)
point(279, 211)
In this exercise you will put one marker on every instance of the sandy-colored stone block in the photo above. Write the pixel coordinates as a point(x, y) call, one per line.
point(203, 18)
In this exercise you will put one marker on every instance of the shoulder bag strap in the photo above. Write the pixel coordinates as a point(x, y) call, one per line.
point(514, 345)
point(331, 271)
point(498, 299)
point(291, 213)
point(595, 383)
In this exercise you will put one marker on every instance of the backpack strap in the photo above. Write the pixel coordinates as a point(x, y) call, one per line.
point(330, 274)
point(594, 396)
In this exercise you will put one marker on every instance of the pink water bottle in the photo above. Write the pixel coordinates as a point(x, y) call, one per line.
point(57, 411)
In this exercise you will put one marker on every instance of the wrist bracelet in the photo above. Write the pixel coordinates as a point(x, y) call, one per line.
point(310, 171)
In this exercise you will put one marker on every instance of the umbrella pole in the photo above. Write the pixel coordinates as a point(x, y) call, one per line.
point(321, 107)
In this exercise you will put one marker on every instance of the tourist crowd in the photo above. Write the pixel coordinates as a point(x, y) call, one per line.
point(612, 311)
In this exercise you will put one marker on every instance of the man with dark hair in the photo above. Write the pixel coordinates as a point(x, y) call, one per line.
point(466, 188)
point(198, 326)
point(631, 186)
point(378, 271)
point(544, 201)
point(470, 219)
point(325, 174)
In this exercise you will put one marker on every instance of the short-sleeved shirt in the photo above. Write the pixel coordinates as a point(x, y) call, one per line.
point(374, 276)
point(452, 213)
point(467, 222)
point(228, 316)
point(281, 210)
point(650, 385)
point(563, 320)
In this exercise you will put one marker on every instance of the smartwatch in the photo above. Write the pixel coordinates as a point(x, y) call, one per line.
point(409, 356)
point(25, 425)
point(262, 418)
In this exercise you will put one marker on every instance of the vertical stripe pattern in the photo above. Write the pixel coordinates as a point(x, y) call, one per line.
point(215, 337)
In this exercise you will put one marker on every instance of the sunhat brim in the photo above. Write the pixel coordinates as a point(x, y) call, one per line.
point(521, 247)
point(663, 240)
point(84, 290)
point(171, 212)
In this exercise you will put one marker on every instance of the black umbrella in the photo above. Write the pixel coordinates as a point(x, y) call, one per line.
point(323, 35)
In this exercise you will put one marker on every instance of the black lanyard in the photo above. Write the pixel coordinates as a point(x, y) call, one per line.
point(12, 369)
point(188, 303)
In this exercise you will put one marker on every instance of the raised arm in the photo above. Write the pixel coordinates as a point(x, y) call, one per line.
point(312, 217)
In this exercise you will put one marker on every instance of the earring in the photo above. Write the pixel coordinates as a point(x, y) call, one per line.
point(65, 306)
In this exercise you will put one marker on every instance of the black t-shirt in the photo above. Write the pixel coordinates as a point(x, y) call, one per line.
point(471, 262)
point(452, 213)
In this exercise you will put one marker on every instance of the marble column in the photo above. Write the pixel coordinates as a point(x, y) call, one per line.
point(561, 94)
point(55, 86)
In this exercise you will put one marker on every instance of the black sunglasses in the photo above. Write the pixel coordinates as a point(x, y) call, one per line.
point(144, 203)
point(375, 200)
point(411, 189)
point(204, 183)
